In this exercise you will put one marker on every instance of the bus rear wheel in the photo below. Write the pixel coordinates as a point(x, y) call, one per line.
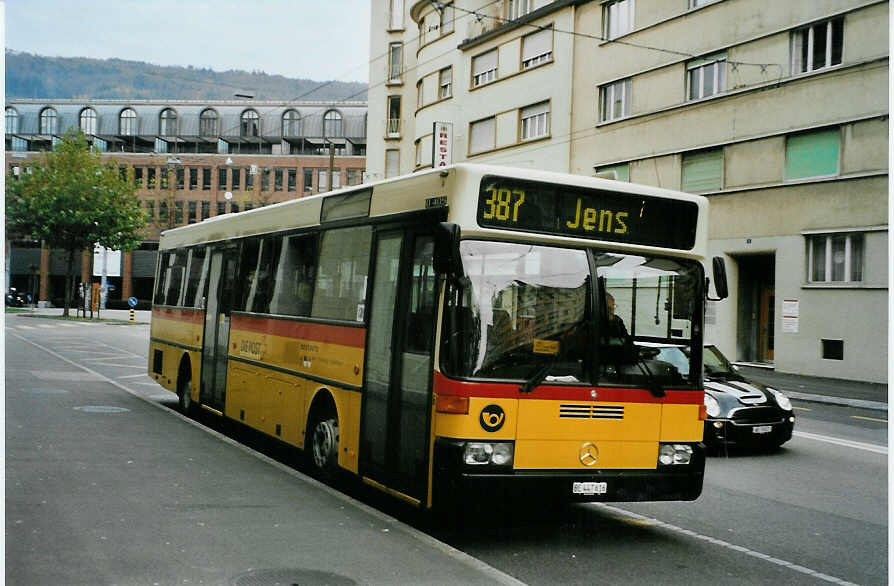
point(323, 447)
point(184, 395)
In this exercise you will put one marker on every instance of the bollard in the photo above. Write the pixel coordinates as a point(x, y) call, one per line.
point(131, 315)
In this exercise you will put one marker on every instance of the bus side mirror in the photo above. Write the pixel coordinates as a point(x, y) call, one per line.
point(446, 259)
point(720, 284)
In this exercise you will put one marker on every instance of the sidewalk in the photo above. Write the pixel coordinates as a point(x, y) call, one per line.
point(822, 390)
point(143, 316)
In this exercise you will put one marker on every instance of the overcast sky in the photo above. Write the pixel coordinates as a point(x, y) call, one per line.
point(314, 39)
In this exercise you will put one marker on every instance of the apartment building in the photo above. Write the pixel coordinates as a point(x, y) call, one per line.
point(776, 111)
point(189, 161)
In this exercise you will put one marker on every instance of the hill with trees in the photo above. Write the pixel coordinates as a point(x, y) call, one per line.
point(35, 76)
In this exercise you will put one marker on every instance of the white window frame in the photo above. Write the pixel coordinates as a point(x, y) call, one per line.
point(534, 121)
point(715, 67)
point(608, 96)
point(395, 63)
point(88, 121)
point(395, 170)
point(445, 83)
point(476, 130)
point(807, 35)
point(537, 57)
point(513, 9)
point(12, 120)
point(127, 122)
point(395, 15)
point(485, 76)
point(446, 19)
point(393, 124)
point(825, 240)
point(617, 18)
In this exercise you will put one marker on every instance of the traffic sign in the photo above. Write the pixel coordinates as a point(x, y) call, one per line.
point(132, 301)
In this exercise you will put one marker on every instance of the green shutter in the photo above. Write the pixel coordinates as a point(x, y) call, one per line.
point(703, 171)
point(813, 154)
point(622, 171)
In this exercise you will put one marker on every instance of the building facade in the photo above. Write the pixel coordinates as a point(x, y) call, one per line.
point(189, 161)
point(776, 111)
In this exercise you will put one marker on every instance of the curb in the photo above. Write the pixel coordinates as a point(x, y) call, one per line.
point(860, 403)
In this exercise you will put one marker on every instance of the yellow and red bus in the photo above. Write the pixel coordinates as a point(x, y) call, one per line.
point(469, 328)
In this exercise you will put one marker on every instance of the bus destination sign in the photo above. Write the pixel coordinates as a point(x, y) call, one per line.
point(598, 214)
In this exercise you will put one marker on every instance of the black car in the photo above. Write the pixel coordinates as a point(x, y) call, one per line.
point(740, 412)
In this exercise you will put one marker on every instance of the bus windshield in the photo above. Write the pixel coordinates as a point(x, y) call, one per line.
point(569, 315)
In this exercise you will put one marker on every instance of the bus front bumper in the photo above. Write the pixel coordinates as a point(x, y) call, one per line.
point(663, 483)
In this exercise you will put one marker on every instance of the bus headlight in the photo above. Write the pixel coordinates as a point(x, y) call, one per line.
point(489, 453)
point(671, 454)
point(781, 400)
point(712, 406)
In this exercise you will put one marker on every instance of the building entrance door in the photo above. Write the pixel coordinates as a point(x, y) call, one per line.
point(756, 310)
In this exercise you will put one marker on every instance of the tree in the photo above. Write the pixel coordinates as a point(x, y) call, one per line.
point(72, 200)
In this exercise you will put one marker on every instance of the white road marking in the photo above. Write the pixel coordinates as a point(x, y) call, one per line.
point(842, 442)
point(727, 545)
point(25, 327)
point(143, 366)
point(132, 375)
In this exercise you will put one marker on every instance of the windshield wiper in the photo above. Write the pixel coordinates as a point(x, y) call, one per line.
point(538, 377)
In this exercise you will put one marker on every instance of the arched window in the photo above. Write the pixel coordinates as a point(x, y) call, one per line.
point(12, 121)
point(48, 119)
point(332, 124)
point(168, 119)
point(208, 123)
point(250, 123)
point(291, 122)
point(127, 122)
point(88, 121)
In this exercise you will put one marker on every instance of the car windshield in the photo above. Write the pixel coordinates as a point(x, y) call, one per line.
point(568, 315)
point(716, 364)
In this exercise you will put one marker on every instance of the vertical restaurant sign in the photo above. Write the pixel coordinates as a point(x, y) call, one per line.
point(442, 144)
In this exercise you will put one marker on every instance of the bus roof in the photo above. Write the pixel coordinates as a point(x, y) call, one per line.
point(455, 186)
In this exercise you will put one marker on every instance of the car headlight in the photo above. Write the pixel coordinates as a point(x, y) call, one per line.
point(489, 453)
point(781, 399)
point(712, 406)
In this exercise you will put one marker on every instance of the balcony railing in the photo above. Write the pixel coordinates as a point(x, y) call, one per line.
point(393, 127)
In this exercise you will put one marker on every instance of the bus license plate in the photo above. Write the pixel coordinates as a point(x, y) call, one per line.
point(762, 429)
point(589, 488)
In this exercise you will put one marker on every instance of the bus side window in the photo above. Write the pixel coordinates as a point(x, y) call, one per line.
point(195, 269)
point(174, 277)
point(294, 282)
point(262, 285)
point(340, 289)
point(164, 258)
point(245, 278)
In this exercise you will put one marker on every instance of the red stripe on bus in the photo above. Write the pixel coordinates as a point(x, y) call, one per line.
point(186, 314)
point(447, 386)
point(325, 333)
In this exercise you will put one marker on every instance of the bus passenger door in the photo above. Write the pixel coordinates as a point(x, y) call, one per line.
point(397, 390)
point(217, 328)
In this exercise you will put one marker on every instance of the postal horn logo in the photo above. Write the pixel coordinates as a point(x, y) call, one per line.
point(492, 418)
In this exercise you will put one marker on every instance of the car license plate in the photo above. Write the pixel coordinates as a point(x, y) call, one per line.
point(762, 429)
point(589, 488)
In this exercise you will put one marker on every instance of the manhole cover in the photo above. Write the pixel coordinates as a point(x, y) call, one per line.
point(101, 409)
point(46, 391)
point(291, 577)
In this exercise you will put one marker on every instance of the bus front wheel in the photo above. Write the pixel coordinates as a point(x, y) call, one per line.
point(324, 447)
